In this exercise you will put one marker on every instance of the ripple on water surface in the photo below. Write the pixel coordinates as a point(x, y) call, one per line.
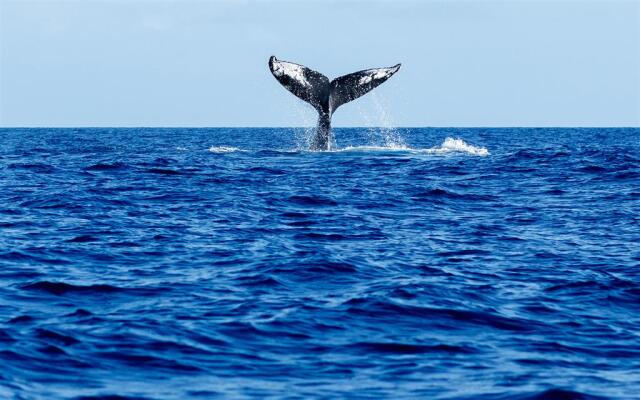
point(195, 263)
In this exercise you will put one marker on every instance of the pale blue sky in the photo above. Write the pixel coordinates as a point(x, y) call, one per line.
point(204, 63)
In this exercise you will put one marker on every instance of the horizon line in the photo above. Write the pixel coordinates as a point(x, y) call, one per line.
point(335, 127)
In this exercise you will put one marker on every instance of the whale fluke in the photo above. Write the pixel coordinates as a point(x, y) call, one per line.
point(349, 87)
point(324, 95)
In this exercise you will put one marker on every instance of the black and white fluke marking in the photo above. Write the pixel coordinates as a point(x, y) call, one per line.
point(324, 95)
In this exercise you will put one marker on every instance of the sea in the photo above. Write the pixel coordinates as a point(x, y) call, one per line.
point(404, 263)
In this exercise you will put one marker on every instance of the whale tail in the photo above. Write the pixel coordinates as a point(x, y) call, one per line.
point(324, 95)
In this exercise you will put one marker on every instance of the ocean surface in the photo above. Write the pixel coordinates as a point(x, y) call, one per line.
point(434, 263)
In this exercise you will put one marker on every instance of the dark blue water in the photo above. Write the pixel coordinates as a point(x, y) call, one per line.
point(195, 263)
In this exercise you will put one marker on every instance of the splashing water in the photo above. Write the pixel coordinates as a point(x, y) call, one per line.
point(451, 145)
point(303, 112)
point(390, 134)
point(381, 131)
point(448, 146)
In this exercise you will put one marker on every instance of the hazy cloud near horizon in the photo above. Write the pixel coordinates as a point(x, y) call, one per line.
point(204, 63)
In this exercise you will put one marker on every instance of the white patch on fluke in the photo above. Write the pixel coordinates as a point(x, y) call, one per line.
point(293, 71)
point(375, 74)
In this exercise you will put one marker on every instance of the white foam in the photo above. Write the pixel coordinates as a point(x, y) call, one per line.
point(448, 146)
point(376, 148)
point(451, 145)
point(223, 149)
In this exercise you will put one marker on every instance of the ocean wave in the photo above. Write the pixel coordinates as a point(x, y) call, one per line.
point(59, 338)
point(312, 200)
point(60, 288)
point(107, 166)
point(163, 171)
point(41, 168)
point(411, 314)
point(553, 394)
point(273, 271)
point(63, 288)
point(438, 193)
point(410, 348)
